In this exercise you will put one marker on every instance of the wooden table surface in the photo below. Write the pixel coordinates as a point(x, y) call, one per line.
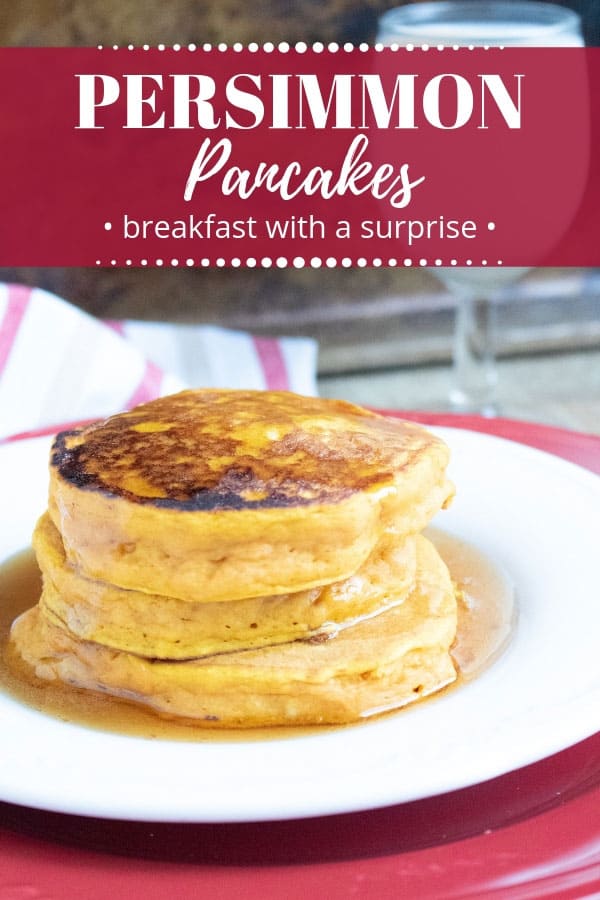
point(561, 389)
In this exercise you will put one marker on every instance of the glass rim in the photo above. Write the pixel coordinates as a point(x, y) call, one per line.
point(539, 17)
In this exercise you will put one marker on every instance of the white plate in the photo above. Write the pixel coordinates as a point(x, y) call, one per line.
point(533, 514)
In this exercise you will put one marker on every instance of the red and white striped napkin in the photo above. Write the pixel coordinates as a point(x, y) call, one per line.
point(59, 365)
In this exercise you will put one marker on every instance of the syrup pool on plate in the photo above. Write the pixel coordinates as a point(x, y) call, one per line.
point(486, 619)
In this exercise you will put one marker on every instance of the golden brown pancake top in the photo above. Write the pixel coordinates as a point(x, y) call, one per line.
point(218, 450)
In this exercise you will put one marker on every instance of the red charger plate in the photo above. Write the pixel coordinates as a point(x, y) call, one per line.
point(533, 833)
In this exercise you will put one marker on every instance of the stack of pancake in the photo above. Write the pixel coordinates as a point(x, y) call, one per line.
point(244, 558)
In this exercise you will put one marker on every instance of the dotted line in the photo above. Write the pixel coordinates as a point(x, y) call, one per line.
point(298, 262)
point(301, 47)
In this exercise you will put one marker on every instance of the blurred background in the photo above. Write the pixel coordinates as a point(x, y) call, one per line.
point(385, 336)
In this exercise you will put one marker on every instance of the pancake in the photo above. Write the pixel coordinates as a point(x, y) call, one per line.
point(217, 496)
point(379, 664)
point(164, 627)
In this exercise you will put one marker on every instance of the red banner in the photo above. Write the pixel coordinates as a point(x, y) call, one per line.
point(250, 157)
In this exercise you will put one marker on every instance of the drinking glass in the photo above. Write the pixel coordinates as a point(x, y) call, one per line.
point(525, 23)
